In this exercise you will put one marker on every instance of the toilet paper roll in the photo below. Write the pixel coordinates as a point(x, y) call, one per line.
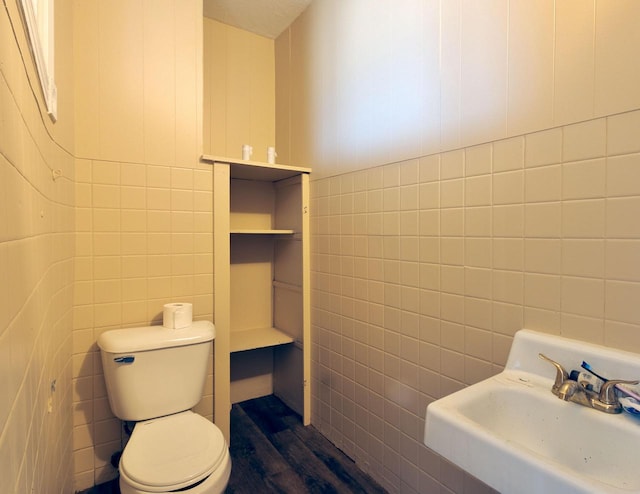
point(177, 315)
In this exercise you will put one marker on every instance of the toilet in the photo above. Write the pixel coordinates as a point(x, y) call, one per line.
point(154, 376)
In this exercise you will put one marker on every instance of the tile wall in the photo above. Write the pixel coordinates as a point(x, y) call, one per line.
point(36, 272)
point(424, 269)
point(143, 239)
point(143, 200)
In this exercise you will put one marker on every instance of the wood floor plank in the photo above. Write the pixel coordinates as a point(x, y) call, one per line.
point(257, 466)
point(314, 473)
point(321, 466)
point(339, 463)
point(249, 443)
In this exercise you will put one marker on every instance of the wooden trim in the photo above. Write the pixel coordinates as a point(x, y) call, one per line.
point(257, 170)
point(306, 300)
point(221, 290)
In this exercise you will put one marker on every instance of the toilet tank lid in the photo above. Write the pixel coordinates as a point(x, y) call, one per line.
point(155, 337)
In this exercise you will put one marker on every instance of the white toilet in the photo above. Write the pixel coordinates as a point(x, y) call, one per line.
point(154, 377)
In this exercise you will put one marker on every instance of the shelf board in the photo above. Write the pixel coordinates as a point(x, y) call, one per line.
point(246, 231)
point(250, 339)
point(257, 170)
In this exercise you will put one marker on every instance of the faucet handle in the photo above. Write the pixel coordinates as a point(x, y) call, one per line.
point(607, 391)
point(561, 373)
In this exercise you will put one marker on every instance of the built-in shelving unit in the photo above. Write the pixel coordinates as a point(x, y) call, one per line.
point(261, 284)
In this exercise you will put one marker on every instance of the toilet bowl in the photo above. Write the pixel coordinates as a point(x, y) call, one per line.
point(182, 452)
point(154, 377)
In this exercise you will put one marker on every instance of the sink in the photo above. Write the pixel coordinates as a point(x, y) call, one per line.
point(512, 433)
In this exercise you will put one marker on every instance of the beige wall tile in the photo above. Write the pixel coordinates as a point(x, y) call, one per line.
point(585, 140)
point(477, 252)
point(508, 286)
point(623, 175)
point(477, 221)
point(620, 300)
point(621, 335)
point(452, 193)
point(583, 219)
point(542, 291)
point(583, 296)
point(543, 148)
point(584, 179)
point(106, 173)
point(429, 168)
point(477, 160)
point(452, 222)
point(451, 165)
point(622, 133)
point(508, 253)
point(478, 191)
point(583, 258)
point(621, 219)
point(429, 195)
point(622, 260)
point(508, 187)
point(477, 314)
point(508, 221)
point(133, 174)
point(452, 279)
point(581, 328)
point(508, 154)
point(543, 184)
point(543, 220)
point(478, 282)
point(133, 198)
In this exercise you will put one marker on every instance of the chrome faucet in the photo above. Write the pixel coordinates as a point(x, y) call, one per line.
point(569, 390)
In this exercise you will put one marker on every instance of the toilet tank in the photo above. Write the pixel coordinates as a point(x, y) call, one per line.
point(154, 371)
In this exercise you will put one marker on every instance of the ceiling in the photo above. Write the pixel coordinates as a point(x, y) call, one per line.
point(263, 17)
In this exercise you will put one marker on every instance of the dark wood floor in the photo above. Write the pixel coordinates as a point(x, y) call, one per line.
point(272, 452)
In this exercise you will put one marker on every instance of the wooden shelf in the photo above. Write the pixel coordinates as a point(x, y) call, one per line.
point(250, 339)
point(257, 170)
point(246, 231)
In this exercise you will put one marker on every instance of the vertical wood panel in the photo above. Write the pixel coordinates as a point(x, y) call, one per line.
point(188, 55)
point(617, 73)
point(87, 66)
point(159, 81)
point(574, 61)
point(531, 52)
point(483, 70)
point(121, 107)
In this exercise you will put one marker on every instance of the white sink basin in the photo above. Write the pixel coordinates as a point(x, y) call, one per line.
point(512, 433)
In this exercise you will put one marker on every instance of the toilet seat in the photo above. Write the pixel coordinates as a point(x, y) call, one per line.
point(172, 452)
